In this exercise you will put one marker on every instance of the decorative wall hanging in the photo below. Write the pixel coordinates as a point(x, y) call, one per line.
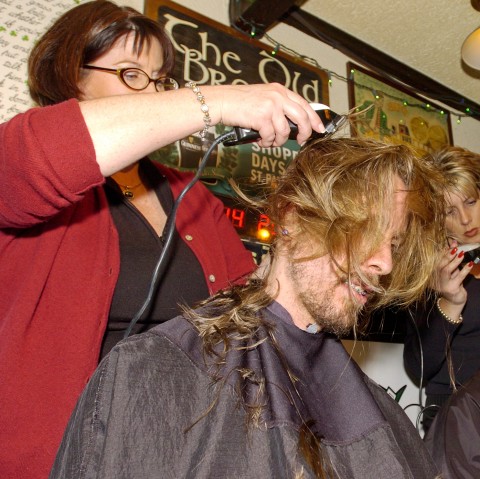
point(396, 114)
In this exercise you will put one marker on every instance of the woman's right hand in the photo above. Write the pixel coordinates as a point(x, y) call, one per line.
point(451, 277)
point(265, 108)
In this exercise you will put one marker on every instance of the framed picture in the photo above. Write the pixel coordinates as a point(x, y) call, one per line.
point(210, 53)
point(391, 112)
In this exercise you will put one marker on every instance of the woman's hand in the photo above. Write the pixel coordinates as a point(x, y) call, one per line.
point(265, 108)
point(450, 280)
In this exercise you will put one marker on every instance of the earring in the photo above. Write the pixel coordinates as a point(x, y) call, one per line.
point(284, 232)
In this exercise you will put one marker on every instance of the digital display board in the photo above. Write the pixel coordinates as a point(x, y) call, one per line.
point(249, 223)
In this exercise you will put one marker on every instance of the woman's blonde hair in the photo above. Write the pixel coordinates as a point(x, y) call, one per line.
point(460, 169)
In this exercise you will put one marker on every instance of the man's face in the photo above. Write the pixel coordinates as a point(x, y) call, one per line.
point(316, 291)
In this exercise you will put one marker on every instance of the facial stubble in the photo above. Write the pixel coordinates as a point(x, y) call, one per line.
point(337, 319)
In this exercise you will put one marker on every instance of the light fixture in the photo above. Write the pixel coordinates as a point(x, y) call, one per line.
point(471, 50)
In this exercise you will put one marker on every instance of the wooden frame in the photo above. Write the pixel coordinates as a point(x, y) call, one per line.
point(397, 115)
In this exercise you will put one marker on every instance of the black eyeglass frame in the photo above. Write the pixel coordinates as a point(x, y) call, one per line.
point(121, 71)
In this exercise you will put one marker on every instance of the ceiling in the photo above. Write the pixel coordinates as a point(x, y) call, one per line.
point(426, 35)
point(423, 36)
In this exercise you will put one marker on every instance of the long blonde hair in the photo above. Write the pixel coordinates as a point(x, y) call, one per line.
point(339, 189)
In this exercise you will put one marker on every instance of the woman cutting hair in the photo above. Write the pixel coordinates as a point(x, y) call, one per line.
point(82, 223)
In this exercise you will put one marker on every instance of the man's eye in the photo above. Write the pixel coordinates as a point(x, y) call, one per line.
point(395, 243)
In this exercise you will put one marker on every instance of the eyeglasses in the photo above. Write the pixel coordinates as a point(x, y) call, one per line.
point(137, 79)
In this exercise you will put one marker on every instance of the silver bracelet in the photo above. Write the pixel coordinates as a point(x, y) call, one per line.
point(445, 316)
point(203, 106)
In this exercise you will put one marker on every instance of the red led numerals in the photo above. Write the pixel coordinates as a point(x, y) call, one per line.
point(236, 216)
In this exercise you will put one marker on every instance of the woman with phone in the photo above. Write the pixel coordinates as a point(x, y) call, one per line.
point(442, 342)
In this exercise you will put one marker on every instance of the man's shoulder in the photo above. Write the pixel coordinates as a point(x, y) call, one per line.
point(383, 399)
point(158, 345)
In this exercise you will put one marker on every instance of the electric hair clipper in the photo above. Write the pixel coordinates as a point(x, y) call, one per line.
point(331, 121)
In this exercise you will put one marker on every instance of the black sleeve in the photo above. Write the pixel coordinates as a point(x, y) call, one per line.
point(428, 335)
point(454, 438)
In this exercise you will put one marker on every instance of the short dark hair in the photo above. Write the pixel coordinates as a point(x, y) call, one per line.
point(80, 36)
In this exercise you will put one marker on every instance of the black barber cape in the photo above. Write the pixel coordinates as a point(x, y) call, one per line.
point(147, 412)
point(454, 437)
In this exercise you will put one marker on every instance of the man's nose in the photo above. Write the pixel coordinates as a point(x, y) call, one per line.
point(380, 262)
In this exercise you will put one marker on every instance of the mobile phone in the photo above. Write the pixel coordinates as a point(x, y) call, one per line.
point(472, 252)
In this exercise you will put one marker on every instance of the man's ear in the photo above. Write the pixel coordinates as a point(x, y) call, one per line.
point(287, 232)
point(289, 224)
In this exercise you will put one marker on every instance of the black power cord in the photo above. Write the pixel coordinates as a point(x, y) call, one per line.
point(170, 230)
point(421, 380)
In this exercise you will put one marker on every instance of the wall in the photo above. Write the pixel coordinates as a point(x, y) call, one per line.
point(20, 25)
point(466, 134)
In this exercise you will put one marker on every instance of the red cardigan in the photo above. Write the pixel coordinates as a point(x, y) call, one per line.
point(59, 263)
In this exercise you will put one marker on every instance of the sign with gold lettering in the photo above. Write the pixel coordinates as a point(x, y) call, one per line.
point(210, 53)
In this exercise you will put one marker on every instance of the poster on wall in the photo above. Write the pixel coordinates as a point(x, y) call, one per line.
point(21, 25)
point(395, 114)
point(210, 53)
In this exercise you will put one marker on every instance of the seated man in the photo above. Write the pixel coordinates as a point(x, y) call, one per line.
point(255, 383)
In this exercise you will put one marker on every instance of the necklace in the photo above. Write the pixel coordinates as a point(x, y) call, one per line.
point(127, 190)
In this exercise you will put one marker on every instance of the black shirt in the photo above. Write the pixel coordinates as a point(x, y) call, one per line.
point(182, 282)
point(437, 336)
